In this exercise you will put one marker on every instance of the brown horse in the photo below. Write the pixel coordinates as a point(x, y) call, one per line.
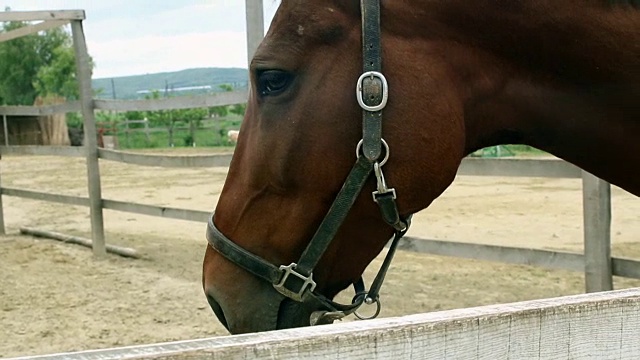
point(562, 76)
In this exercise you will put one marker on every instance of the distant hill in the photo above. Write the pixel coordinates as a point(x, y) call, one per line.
point(184, 82)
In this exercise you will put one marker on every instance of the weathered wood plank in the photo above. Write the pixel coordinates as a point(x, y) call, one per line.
point(182, 102)
point(41, 15)
point(2, 229)
point(118, 250)
point(625, 267)
point(157, 211)
point(68, 151)
point(549, 168)
point(5, 129)
point(601, 325)
point(596, 194)
point(83, 74)
point(511, 255)
point(503, 254)
point(190, 161)
point(30, 29)
point(255, 26)
point(43, 196)
point(68, 107)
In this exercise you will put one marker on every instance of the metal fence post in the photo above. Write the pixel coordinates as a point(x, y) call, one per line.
point(83, 72)
point(597, 233)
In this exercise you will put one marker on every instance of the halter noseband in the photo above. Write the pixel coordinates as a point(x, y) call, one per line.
point(295, 281)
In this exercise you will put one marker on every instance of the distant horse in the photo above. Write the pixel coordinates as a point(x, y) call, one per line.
point(232, 136)
point(310, 198)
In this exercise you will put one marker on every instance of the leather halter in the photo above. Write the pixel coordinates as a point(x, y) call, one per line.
point(295, 281)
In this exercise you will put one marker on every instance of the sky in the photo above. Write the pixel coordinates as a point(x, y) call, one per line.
point(131, 37)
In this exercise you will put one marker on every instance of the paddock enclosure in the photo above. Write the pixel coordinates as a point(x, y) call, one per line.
point(538, 214)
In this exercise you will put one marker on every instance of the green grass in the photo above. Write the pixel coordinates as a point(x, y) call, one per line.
point(212, 135)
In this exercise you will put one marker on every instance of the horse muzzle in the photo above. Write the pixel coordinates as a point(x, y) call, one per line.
point(259, 314)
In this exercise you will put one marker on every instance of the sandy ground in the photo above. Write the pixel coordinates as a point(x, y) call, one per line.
point(54, 297)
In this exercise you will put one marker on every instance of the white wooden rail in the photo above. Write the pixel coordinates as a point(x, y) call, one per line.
point(590, 326)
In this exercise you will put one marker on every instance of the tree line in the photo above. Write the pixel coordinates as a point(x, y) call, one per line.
point(39, 65)
point(42, 65)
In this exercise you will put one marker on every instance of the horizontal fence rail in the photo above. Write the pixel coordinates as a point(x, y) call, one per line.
point(602, 325)
point(68, 151)
point(561, 260)
point(190, 161)
point(173, 103)
point(157, 211)
point(31, 29)
point(43, 110)
point(41, 15)
point(548, 168)
point(43, 196)
point(122, 206)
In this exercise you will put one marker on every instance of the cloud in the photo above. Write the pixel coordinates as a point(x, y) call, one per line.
point(150, 54)
point(127, 37)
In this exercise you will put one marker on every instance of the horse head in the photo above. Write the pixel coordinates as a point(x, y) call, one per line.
point(297, 145)
point(323, 176)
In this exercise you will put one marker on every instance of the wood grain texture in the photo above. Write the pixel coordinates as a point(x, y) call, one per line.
point(83, 74)
point(590, 326)
point(596, 203)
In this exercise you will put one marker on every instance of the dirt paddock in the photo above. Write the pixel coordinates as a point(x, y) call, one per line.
point(54, 297)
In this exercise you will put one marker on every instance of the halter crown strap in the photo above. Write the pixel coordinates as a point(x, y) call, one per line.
point(372, 86)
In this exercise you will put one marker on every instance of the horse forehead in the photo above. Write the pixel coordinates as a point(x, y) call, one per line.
point(302, 21)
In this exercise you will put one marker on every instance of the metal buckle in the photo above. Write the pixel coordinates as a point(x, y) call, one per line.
point(382, 184)
point(385, 91)
point(289, 270)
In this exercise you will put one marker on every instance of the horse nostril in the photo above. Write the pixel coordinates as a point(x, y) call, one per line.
point(217, 309)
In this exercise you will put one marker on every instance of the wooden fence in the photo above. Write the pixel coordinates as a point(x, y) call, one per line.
point(593, 326)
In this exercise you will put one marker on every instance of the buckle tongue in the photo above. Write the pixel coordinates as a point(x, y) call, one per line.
point(307, 282)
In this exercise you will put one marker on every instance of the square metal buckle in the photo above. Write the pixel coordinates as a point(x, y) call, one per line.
point(377, 194)
point(290, 270)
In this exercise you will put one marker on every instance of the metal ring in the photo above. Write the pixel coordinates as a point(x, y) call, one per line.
point(386, 147)
point(378, 307)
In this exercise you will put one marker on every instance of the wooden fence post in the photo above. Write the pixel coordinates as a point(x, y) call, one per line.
point(6, 129)
point(126, 133)
point(146, 131)
point(83, 74)
point(2, 231)
point(255, 26)
point(597, 233)
point(6, 142)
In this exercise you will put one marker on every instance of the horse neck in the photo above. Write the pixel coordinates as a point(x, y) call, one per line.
point(563, 76)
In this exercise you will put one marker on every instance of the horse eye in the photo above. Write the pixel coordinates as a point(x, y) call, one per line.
point(273, 82)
